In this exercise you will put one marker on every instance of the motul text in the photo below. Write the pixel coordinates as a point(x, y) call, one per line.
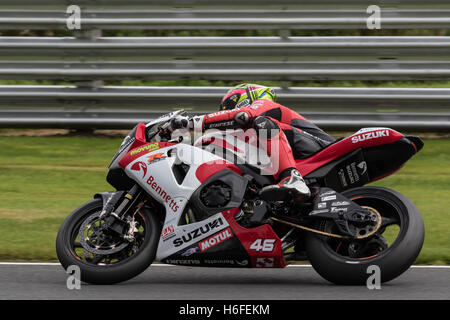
point(215, 239)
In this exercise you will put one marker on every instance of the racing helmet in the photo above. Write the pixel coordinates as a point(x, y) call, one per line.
point(245, 94)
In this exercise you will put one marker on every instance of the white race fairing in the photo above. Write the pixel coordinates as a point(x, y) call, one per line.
point(153, 171)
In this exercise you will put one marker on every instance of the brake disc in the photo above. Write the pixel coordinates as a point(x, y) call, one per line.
point(94, 240)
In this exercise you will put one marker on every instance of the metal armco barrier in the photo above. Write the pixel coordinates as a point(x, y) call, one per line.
point(261, 58)
point(121, 107)
point(237, 15)
point(208, 98)
point(101, 119)
point(86, 58)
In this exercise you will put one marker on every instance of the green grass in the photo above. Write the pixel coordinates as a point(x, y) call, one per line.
point(42, 179)
point(425, 180)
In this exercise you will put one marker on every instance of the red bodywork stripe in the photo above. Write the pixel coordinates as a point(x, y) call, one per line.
point(208, 169)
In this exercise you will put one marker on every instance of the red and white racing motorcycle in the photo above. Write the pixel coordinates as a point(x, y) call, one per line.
point(173, 208)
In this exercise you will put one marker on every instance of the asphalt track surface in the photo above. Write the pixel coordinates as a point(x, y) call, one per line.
point(164, 282)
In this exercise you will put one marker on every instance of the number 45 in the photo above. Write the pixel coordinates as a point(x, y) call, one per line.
point(265, 245)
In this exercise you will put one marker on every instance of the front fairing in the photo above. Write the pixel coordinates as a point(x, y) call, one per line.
point(116, 177)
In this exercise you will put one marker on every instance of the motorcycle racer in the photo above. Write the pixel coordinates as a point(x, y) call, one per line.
point(254, 106)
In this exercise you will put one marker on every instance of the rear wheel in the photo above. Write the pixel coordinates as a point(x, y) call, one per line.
point(393, 248)
point(105, 258)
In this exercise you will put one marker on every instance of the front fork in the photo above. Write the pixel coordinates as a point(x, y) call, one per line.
point(116, 206)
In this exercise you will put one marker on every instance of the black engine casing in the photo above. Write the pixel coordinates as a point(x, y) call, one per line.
point(224, 190)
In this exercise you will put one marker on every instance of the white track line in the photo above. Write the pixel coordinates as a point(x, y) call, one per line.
point(29, 264)
point(170, 265)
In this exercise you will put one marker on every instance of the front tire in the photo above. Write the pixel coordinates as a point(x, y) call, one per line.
point(97, 269)
point(336, 260)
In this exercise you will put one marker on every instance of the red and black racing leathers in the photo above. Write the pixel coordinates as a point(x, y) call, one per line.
point(297, 137)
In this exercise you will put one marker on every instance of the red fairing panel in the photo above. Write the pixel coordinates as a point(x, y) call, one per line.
point(140, 133)
point(261, 243)
point(138, 149)
point(208, 169)
point(363, 139)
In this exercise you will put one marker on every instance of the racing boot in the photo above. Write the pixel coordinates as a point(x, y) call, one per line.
point(292, 186)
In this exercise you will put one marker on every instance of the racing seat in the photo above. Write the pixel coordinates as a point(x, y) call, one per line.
point(304, 144)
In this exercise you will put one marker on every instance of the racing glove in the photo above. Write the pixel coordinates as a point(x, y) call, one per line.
point(179, 122)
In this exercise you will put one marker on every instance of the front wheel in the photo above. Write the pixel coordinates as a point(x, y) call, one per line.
point(393, 248)
point(105, 258)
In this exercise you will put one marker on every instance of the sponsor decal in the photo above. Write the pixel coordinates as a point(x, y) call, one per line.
point(255, 105)
point(234, 97)
point(140, 166)
point(370, 135)
point(190, 251)
point(168, 233)
point(322, 205)
point(163, 194)
point(363, 166)
point(196, 233)
point(155, 157)
point(340, 203)
point(221, 124)
point(327, 193)
point(264, 262)
point(262, 125)
point(149, 147)
point(352, 173)
point(319, 211)
point(219, 261)
point(355, 172)
point(242, 263)
point(340, 209)
point(180, 261)
point(341, 175)
point(328, 198)
point(369, 129)
point(215, 239)
point(219, 113)
point(243, 103)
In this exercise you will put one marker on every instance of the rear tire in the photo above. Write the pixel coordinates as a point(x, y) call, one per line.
point(392, 261)
point(106, 273)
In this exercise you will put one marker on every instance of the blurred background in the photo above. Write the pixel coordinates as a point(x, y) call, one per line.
point(71, 89)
